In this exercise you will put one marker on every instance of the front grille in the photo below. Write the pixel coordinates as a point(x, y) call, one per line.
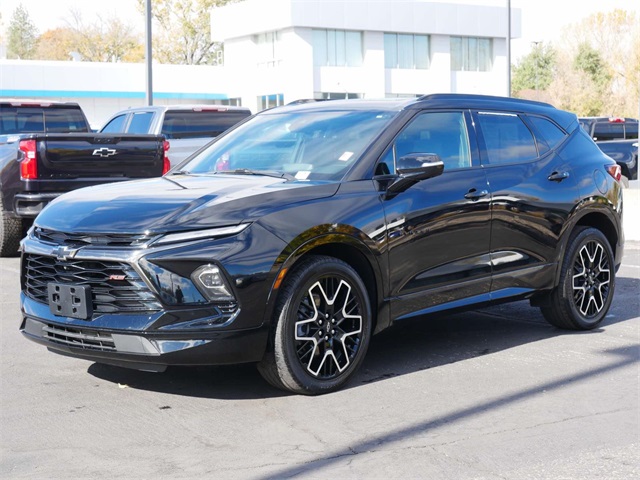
point(79, 338)
point(82, 239)
point(115, 287)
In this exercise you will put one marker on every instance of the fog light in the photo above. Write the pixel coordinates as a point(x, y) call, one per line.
point(211, 283)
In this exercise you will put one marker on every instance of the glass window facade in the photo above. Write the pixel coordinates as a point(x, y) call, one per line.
point(268, 44)
point(337, 48)
point(270, 101)
point(471, 54)
point(408, 51)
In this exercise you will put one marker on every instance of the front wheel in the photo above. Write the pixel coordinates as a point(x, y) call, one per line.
point(322, 328)
point(587, 281)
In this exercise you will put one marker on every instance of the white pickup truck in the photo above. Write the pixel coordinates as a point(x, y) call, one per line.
point(187, 127)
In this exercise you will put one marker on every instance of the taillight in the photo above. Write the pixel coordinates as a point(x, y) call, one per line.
point(615, 171)
point(166, 163)
point(29, 164)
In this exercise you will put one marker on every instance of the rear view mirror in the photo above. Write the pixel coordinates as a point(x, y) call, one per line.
point(414, 168)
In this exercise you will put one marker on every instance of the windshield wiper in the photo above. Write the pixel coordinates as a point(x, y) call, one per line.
point(266, 173)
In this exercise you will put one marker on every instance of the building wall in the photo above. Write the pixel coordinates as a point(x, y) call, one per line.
point(104, 88)
point(296, 77)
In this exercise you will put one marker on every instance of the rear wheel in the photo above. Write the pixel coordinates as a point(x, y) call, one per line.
point(10, 233)
point(587, 281)
point(322, 328)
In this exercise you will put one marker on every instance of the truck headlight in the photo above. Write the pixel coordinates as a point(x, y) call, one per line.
point(211, 283)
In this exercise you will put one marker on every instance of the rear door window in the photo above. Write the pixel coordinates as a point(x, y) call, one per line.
point(140, 122)
point(507, 139)
point(194, 124)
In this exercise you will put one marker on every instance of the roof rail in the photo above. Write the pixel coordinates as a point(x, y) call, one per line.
point(454, 96)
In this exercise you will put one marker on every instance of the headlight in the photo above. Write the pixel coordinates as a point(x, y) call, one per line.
point(200, 234)
point(210, 281)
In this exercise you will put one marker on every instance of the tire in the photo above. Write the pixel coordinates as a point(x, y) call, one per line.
point(10, 233)
point(587, 283)
point(322, 327)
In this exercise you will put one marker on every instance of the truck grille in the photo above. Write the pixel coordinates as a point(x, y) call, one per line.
point(81, 239)
point(79, 338)
point(115, 287)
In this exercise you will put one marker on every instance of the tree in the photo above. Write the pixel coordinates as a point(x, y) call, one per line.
point(23, 35)
point(615, 37)
point(590, 62)
point(535, 71)
point(56, 44)
point(182, 31)
point(105, 40)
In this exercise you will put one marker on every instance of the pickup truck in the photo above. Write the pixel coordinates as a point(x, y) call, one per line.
point(187, 127)
point(39, 161)
point(618, 138)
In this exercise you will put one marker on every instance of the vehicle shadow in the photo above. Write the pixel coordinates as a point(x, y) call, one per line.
point(410, 346)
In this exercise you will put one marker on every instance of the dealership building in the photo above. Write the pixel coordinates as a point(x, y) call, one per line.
point(278, 51)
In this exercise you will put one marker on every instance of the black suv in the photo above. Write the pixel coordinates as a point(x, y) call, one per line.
point(294, 237)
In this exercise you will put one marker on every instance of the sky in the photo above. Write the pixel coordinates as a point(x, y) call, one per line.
point(542, 20)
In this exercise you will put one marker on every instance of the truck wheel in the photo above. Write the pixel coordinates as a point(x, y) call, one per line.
point(322, 328)
point(10, 233)
point(587, 281)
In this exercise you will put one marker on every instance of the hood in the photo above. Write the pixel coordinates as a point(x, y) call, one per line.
point(175, 203)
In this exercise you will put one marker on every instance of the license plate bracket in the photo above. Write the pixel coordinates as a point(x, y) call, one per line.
point(70, 300)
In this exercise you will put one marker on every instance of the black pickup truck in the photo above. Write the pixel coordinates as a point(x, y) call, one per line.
point(47, 149)
point(617, 137)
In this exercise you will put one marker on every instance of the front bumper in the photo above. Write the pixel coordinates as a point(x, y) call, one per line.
point(139, 349)
point(135, 320)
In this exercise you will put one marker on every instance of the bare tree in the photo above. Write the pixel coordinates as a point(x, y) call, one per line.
point(182, 32)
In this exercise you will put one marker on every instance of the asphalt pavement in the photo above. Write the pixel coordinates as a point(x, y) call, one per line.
point(495, 393)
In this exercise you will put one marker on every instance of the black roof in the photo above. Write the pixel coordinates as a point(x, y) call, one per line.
point(439, 101)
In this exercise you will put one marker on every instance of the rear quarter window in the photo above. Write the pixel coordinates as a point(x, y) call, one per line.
point(550, 133)
point(189, 124)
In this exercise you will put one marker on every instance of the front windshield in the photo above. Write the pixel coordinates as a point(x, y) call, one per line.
point(309, 145)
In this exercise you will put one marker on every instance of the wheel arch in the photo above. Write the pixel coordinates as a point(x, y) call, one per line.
point(597, 219)
point(348, 249)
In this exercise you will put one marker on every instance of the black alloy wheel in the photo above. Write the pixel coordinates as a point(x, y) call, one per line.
point(323, 325)
point(587, 281)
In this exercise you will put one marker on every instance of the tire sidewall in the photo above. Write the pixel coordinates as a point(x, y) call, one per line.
point(584, 237)
point(285, 343)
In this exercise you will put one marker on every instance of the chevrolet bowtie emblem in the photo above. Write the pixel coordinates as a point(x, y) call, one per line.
point(104, 152)
point(64, 253)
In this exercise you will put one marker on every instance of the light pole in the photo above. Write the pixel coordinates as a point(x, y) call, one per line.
point(148, 55)
point(508, 48)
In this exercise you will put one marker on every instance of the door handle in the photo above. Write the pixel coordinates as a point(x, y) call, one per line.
point(558, 176)
point(474, 194)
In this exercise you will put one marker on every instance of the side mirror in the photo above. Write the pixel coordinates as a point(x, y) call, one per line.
point(414, 168)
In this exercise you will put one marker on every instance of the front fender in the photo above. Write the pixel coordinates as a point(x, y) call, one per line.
point(350, 245)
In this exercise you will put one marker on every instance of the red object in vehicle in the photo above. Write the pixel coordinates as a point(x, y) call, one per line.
point(29, 164)
point(615, 171)
point(166, 164)
point(222, 164)
point(616, 120)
